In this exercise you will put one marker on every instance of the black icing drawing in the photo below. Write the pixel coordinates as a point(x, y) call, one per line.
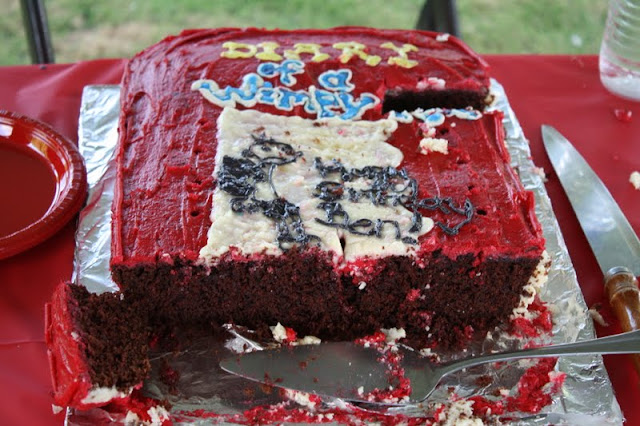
point(389, 186)
point(238, 176)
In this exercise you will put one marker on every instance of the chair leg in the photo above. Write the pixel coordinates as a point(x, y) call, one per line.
point(439, 15)
point(36, 27)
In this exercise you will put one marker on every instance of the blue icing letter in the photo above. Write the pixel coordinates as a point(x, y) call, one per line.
point(267, 94)
point(325, 101)
point(435, 119)
point(401, 117)
point(290, 98)
point(465, 114)
point(433, 116)
point(354, 109)
point(337, 80)
point(332, 100)
point(245, 94)
point(286, 70)
point(269, 69)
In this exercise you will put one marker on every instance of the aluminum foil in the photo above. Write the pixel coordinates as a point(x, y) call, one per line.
point(586, 396)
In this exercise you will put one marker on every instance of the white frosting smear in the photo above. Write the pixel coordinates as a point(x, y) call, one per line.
point(635, 179)
point(100, 395)
point(428, 145)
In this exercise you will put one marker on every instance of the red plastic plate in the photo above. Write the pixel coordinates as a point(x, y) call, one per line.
point(43, 182)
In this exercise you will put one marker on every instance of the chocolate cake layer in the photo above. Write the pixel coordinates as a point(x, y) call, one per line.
point(97, 346)
point(309, 297)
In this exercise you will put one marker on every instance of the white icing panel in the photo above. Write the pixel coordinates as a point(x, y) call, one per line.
point(355, 144)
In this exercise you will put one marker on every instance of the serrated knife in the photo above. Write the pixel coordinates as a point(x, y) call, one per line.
point(611, 237)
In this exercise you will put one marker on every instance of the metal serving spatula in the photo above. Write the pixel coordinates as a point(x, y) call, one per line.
point(350, 371)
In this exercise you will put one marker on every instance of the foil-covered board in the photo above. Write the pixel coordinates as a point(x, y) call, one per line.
point(586, 396)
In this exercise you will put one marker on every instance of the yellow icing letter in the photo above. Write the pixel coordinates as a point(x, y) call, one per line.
point(268, 52)
point(238, 50)
point(402, 59)
point(351, 49)
point(312, 48)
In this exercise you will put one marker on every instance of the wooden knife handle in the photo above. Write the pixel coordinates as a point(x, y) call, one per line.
point(622, 289)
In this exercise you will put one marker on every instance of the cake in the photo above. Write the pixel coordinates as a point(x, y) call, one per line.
point(335, 182)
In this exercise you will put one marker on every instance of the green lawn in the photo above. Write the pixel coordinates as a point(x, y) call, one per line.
point(87, 29)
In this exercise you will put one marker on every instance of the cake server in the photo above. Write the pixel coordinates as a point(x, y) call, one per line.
point(351, 371)
point(611, 237)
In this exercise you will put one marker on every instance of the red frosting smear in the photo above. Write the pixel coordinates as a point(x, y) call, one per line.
point(541, 321)
point(69, 371)
point(534, 391)
point(291, 335)
point(399, 385)
point(532, 396)
point(276, 414)
point(139, 405)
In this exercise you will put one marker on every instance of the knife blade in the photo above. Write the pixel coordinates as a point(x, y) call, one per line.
point(602, 221)
point(611, 237)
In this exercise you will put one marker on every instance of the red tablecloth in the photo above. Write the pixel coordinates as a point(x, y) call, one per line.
point(563, 91)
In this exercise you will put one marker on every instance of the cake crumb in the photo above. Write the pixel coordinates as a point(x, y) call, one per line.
point(595, 315)
point(304, 399)
point(308, 340)
point(431, 83)
point(459, 413)
point(282, 334)
point(428, 145)
point(156, 415)
point(540, 172)
point(623, 115)
point(394, 334)
point(635, 179)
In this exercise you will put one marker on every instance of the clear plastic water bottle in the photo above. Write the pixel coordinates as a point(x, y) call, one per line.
point(620, 50)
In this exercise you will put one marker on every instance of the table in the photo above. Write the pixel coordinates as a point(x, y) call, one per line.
point(563, 91)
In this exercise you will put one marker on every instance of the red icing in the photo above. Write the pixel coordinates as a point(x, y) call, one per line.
point(539, 323)
point(69, 371)
point(291, 335)
point(484, 407)
point(413, 295)
point(138, 404)
point(182, 126)
point(375, 338)
point(283, 413)
point(532, 396)
point(534, 391)
point(399, 386)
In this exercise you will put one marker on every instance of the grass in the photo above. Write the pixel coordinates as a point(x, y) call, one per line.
point(88, 29)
